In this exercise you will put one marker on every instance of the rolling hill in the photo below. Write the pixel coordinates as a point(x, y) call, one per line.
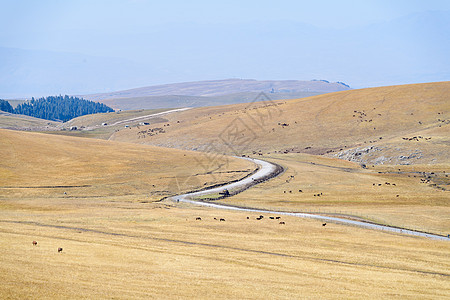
point(22, 122)
point(375, 120)
point(43, 165)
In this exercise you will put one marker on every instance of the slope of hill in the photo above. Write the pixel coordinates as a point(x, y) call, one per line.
point(22, 122)
point(35, 164)
point(324, 124)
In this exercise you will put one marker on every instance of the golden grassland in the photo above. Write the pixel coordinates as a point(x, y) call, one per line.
point(26, 122)
point(314, 125)
point(35, 164)
point(392, 197)
point(118, 244)
point(118, 249)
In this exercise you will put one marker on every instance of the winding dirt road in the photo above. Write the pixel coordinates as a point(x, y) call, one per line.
point(149, 116)
point(266, 170)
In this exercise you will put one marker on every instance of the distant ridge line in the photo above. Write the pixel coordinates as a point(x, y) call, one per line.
point(224, 87)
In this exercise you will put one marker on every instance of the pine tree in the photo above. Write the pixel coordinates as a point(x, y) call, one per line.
point(5, 106)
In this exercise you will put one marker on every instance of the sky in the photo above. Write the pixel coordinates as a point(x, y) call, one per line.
point(137, 43)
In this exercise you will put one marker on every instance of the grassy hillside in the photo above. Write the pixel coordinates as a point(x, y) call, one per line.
point(401, 196)
point(102, 126)
point(21, 122)
point(46, 165)
point(324, 124)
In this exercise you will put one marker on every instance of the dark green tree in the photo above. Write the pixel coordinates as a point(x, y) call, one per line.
point(60, 108)
point(5, 106)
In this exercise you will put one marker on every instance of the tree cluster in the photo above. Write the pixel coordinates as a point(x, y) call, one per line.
point(57, 108)
point(5, 106)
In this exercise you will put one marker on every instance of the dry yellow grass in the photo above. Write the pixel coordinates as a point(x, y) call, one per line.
point(116, 249)
point(321, 123)
point(26, 122)
point(351, 190)
point(36, 164)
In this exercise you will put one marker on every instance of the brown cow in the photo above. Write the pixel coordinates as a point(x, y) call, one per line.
point(34, 243)
point(60, 250)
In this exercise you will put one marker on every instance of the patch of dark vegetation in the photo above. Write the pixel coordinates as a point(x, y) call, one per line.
point(59, 108)
point(5, 106)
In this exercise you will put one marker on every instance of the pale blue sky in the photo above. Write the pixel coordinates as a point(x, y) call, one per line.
point(195, 40)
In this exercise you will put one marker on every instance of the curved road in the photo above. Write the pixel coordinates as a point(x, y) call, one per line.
point(265, 170)
point(150, 116)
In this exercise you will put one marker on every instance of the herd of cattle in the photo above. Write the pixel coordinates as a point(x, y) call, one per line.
point(257, 218)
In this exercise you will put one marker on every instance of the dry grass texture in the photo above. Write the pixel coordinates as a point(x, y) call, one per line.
point(36, 164)
point(122, 250)
point(319, 124)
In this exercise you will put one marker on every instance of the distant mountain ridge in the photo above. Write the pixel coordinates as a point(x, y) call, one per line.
point(210, 88)
point(213, 92)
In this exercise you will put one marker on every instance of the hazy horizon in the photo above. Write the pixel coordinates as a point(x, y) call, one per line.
point(59, 47)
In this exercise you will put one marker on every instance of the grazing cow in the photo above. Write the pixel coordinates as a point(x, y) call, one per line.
point(324, 224)
point(277, 218)
point(222, 220)
point(282, 223)
point(34, 243)
point(198, 218)
point(271, 218)
point(261, 216)
point(59, 250)
point(215, 218)
point(300, 191)
point(258, 218)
